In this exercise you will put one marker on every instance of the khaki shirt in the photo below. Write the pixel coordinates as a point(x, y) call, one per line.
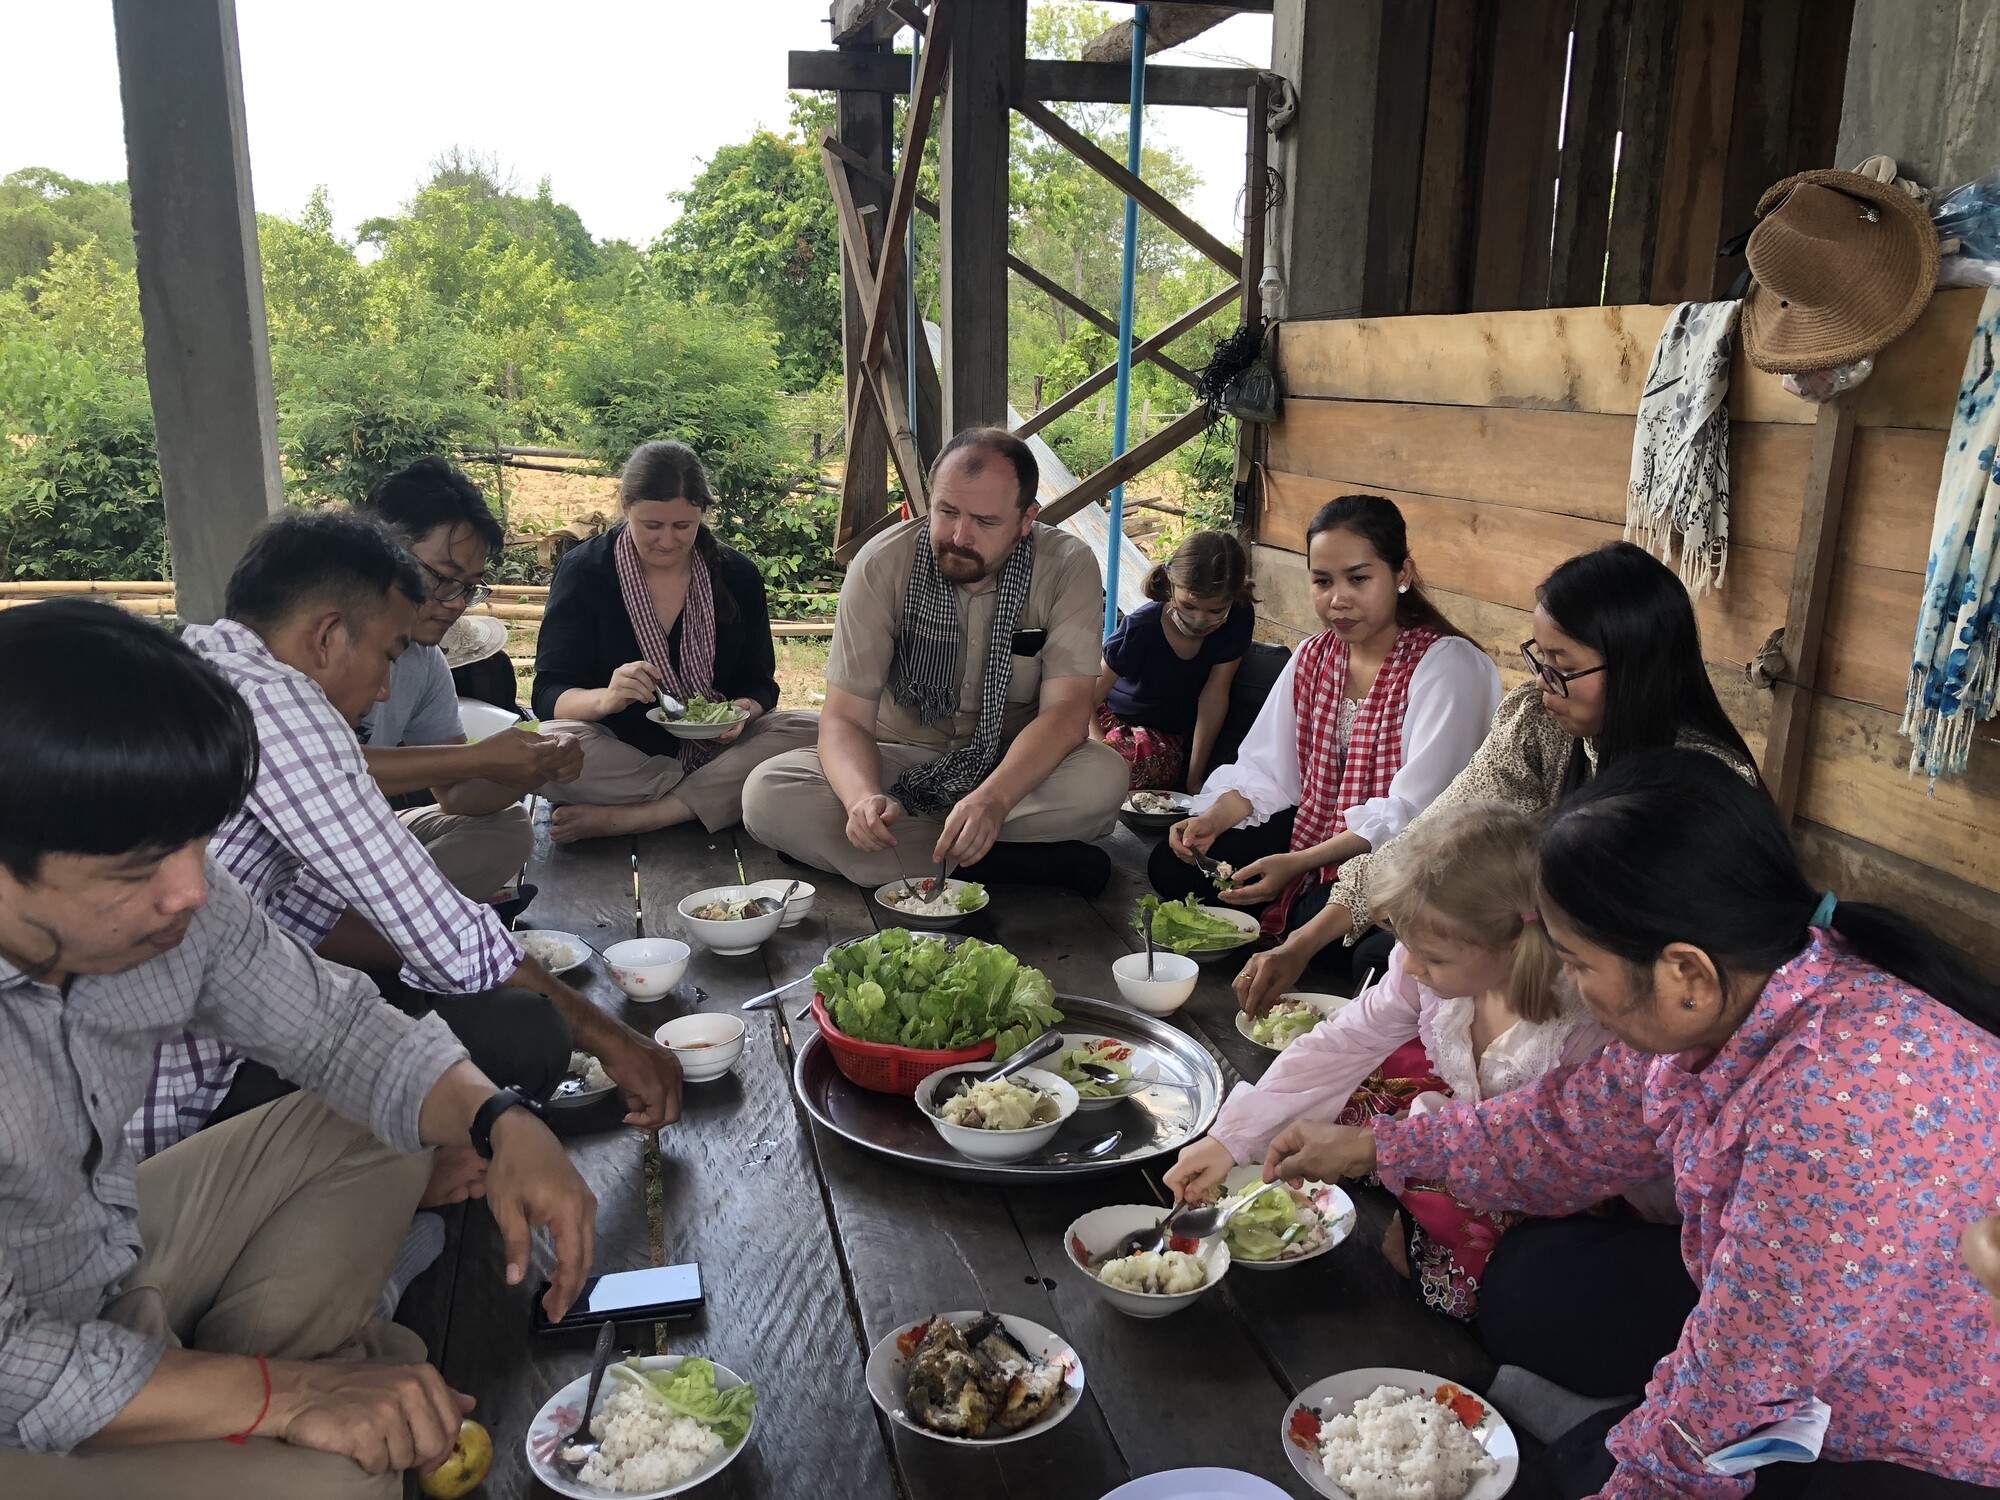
point(1065, 598)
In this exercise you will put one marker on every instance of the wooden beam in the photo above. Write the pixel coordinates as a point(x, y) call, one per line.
point(1170, 26)
point(1250, 314)
point(1697, 157)
point(1805, 611)
point(1518, 179)
point(1583, 217)
point(1644, 109)
point(916, 129)
point(973, 202)
point(1097, 380)
point(1402, 87)
point(1099, 161)
point(1041, 78)
point(865, 122)
point(1440, 255)
point(1119, 470)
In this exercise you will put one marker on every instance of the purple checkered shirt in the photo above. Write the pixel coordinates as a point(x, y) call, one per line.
point(315, 838)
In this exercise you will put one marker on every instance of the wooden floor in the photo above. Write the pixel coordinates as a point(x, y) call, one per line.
point(811, 1250)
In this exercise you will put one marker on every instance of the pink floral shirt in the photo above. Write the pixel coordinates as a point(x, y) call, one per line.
point(1825, 1162)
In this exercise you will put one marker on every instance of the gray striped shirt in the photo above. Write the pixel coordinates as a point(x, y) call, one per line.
point(73, 1068)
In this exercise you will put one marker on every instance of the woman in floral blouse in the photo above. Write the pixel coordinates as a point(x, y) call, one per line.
point(1823, 1080)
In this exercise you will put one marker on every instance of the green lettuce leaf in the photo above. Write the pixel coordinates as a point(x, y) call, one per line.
point(1183, 927)
point(690, 1390)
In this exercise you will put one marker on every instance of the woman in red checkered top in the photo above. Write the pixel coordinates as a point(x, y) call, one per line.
point(1368, 722)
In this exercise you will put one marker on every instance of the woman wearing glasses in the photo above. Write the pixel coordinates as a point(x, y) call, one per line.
point(657, 606)
point(1615, 667)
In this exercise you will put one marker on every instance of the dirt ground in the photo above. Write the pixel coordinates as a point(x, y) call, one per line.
point(801, 667)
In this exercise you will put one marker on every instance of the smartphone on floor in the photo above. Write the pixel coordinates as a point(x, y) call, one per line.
point(657, 1294)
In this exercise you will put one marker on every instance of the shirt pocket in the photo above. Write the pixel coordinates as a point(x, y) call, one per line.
point(1024, 685)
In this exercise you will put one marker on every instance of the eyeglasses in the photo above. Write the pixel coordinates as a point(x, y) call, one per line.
point(1553, 679)
point(450, 590)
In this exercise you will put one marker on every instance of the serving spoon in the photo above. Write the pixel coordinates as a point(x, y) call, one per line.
point(671, 708)
point(1090, 1151)
point(580, 1442)
point(763, 906)
point(1185, 1219)
point(1045, 1045)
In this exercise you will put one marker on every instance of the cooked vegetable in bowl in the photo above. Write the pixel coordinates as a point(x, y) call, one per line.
point(999, 1104)
point(1284, 1023)
point(1158, 1273)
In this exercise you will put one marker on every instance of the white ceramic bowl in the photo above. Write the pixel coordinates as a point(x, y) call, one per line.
point(997, 1145)
point(705, 1046)
point(730, 938)
point(646, 968)
point(889, 1379)
point(1166, 992)
point(1097, 1231)
point(916, 923)
point(483, 719)
point(797, 908)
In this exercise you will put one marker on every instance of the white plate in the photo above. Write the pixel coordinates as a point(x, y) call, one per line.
point(887, 1380)
point(1326, 1005)
point(1199, 1484)
point(579, 950)
point(1337, 1394)
point(1159, 819)
point(680, 729)
point(1335, 1208)
point(1141, 1062)
point(918, 923)
point(1242, 921)
point(558, 1419)
point(578, 1097)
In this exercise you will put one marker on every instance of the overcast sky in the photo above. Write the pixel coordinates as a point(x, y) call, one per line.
point(615, 101)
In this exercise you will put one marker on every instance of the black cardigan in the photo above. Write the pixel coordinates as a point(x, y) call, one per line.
point(587, 635)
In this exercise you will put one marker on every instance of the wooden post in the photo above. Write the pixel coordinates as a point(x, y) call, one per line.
point(1038, 393)
point(1329, 53)
point(1697, 159)
point(201, 287)
point(1250, 298)
point(972, 203)
point(865, 126)
point(1805, 612)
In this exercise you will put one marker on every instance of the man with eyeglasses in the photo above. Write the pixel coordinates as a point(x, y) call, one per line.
point(475, 824)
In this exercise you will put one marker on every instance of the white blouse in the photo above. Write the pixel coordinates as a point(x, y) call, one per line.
point(1454, 693)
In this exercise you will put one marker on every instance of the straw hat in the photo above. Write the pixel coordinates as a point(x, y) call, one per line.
point(1843, 265)
point(473, 638)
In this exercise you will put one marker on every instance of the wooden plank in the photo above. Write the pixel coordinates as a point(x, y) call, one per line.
point(1091, 155)
point(1135, 460)
point(972, 221)
point(909, 161)
point(1595, 359)
point(1760, 141)
point(1598, 46)
point(1691, 193)
point(1402, 88)
point(1644, 108)
point(1042, 78)
point(865, 124)
point(1440, 257)
point(1959, 913)
point(1510, 263)
point(1097, 380)
point(1256, 193)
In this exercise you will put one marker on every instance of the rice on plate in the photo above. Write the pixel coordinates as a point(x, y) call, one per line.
point(1396, 1446)
point(644, 1444)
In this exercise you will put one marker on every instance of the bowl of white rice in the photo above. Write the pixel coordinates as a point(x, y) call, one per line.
point(1382, 1434)
point(646, 1449)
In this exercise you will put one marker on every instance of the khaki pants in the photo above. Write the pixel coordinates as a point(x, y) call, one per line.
point(616, 775)
point(480, 855)
point(788, 805)
point(270, 1234)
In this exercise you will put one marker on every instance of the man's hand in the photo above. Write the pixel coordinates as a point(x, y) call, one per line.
point(646, 1073)
point(531, 1185)
point(1264, 879)
point(969, 830)
point(562, 761)
point(869, 821)
point(385, 1417)
point(1326, 1153)
point(516, 759)
point(635, 682)
point(1192, 836)
point(1268, 975)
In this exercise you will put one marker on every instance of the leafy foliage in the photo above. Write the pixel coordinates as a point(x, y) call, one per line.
point(42, 212)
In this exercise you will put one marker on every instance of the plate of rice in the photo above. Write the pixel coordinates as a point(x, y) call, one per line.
point(650, 1444)
point(1387, 1434)
point(558, 952)
point(585, 1082)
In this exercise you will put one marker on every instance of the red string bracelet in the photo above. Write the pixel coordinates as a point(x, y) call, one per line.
point(243, 1437)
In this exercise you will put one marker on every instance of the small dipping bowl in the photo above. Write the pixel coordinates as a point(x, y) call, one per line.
point(1166, 992)
point(705, 1046)
point(646, 968)
point(747, 934)
point(797, 908)
point(995, 1145)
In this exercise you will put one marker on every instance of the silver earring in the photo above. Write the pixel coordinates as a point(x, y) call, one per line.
point(1402, 588)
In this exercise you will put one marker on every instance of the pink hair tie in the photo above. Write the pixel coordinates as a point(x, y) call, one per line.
point(1530, 916)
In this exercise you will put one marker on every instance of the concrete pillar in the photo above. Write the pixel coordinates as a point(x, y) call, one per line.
point(986, 47)
point(1329, 53)
point(201, 287)
point(1923, 85)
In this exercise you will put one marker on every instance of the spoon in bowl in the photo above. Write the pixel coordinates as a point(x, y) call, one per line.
point(763, 906)
point(671, 708)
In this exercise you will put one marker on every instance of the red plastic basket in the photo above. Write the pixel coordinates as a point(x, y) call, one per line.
point(884, 1068)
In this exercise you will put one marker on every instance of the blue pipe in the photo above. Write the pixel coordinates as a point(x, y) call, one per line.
point(912, 328)
point(1141, 15)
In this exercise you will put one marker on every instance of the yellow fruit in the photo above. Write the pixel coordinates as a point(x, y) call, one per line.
point(471, 1456)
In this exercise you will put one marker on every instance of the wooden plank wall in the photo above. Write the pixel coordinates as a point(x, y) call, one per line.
point(1506, 440)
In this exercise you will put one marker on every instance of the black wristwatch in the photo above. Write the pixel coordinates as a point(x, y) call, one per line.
point(489, 1115)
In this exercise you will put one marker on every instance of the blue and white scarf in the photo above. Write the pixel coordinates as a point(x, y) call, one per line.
point(1678, 492)
point(1955, 670)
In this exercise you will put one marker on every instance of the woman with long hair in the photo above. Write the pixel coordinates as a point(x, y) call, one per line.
point(1369, 720)
point(1822, 1079)
point(1615, 667)
point(657, 603)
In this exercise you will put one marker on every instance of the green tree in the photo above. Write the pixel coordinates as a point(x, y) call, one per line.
point(43, 211)
point(315, 290)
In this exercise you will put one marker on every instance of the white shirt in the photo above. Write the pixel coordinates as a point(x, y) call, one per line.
point(1454, 693)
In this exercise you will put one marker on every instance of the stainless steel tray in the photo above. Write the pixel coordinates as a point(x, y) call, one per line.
point(1157, 1122)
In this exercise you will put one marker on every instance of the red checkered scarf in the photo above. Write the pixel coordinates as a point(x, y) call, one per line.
point(1329, 782)
point(697, 634)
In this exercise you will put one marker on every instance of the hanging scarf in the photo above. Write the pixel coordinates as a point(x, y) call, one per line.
point(927, 673)
point(695, 677)
point(1955, 667)
point(1680, 445)
point(1331, 781)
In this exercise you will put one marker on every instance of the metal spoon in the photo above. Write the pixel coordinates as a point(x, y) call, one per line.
point(763, 906)
point(1200, 1223)
point(1146, 931)
point(1091, 1151)
point(671, 708)
point(580, 1442)
point(1098, 1073)
point(1045, 1045)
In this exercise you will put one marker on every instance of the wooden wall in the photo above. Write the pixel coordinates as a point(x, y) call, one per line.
point(1506, 439)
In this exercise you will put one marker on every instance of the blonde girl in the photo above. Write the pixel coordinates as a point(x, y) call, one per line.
point(1468, 1010)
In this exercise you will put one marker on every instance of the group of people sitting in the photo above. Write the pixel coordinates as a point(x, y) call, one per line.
point(1691, 1142)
